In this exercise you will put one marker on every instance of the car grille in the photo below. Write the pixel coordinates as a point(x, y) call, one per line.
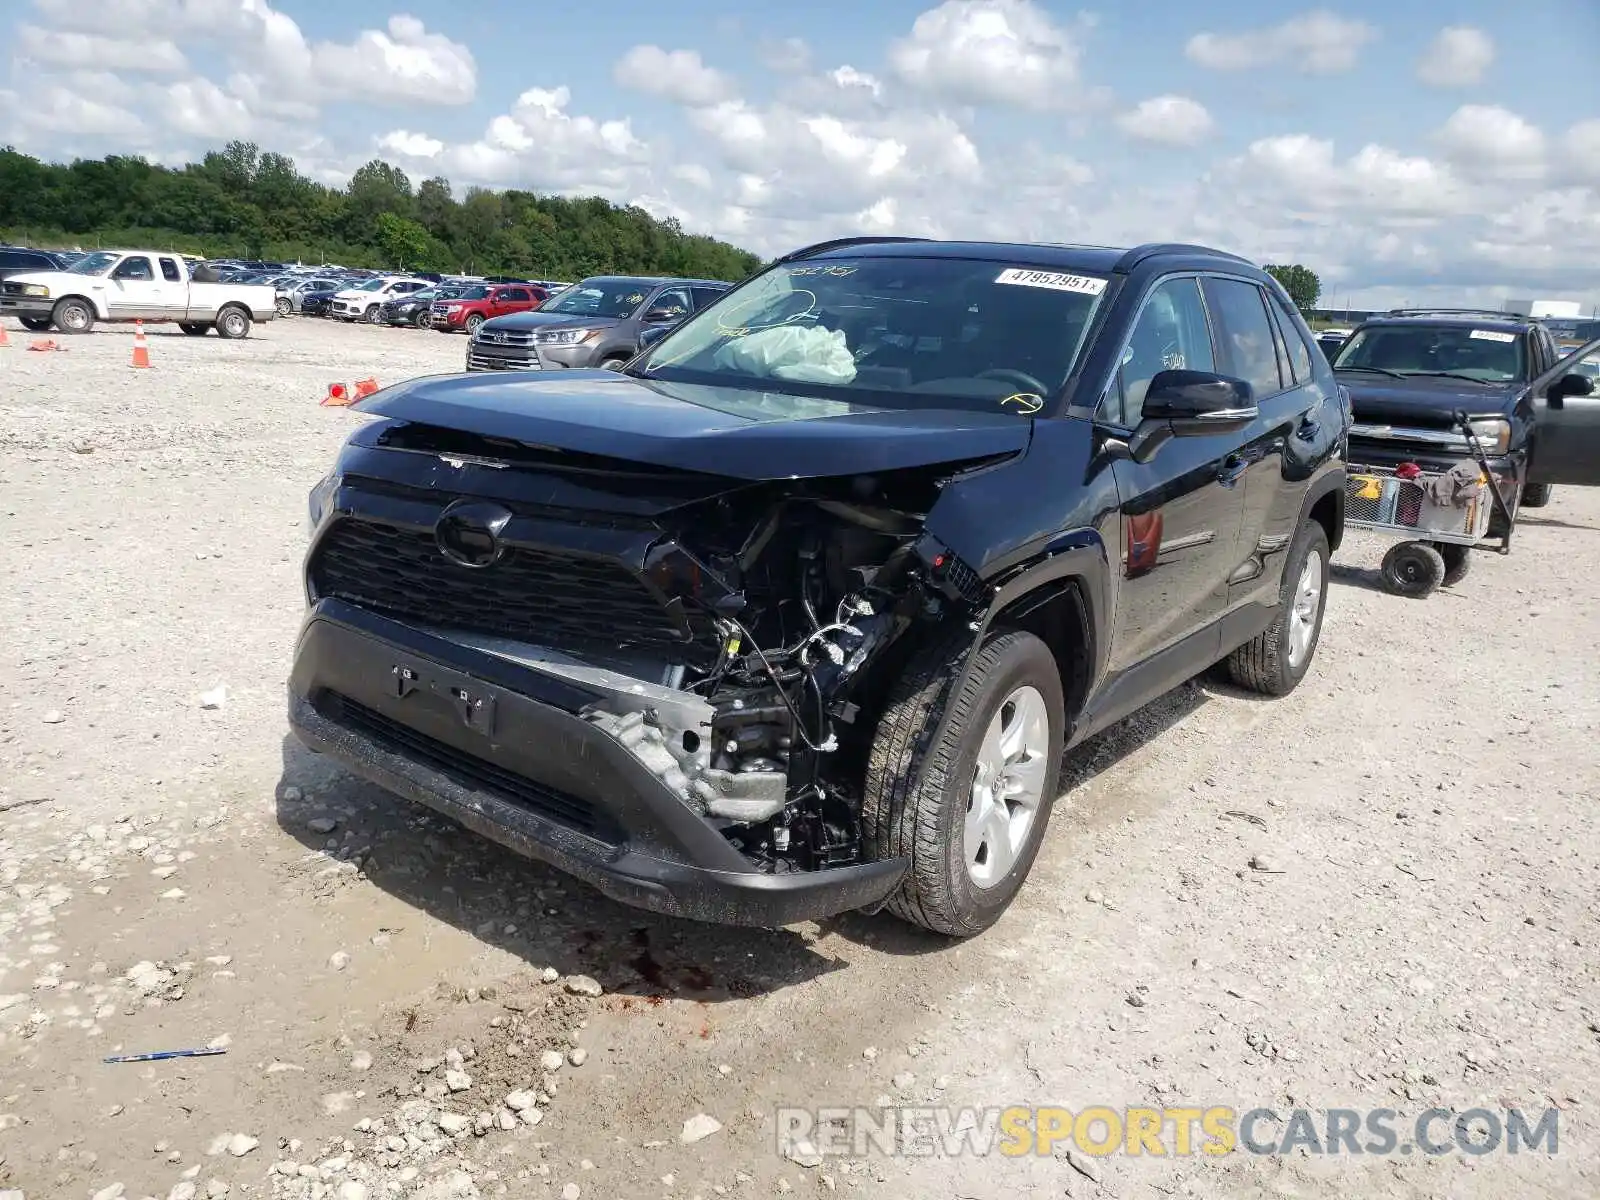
point(11, 289)
point(465, 768)
point(549, 598)
point(503, 350)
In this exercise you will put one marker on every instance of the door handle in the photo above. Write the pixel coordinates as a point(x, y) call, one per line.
point(1231, 469)
point(1308, 429)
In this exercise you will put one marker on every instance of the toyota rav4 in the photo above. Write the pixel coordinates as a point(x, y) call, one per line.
point(798, 612)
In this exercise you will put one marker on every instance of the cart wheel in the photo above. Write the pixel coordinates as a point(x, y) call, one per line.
point(1413, 569)
point(1457, 561)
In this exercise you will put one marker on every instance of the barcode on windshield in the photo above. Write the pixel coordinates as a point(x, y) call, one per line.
point(1086, 284)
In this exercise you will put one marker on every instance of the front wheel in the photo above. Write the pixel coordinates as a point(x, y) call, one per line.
point(372, 314)
point(37, 324)
point(1535, 495)
point(474, 323)
point(969, 808)
point(1275, 661)
point(422, 318)
point(614, 363)
point(73, 316)
point(284, 306)
point(232, 324)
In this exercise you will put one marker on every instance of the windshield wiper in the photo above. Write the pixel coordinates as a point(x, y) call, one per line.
point(1456, 375)
point(1374, 370)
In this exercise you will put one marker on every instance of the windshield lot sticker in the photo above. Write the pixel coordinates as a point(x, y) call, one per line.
point(1493, 335)
point(1086, 284)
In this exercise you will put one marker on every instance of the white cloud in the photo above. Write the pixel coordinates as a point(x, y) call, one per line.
point(676, 75)
point(405, 64)
point(786, 56)
point(411, 145)
point(57, 110)
point(1175, 120)
point(1459, 56)
point(202, 109)
point(67, 48)
point(989, 52)
point(1319, 43)
point(847, 77)
point(1485, 139)
point(1580, 150)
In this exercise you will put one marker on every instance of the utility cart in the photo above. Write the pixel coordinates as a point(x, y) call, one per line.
point(1436, 535)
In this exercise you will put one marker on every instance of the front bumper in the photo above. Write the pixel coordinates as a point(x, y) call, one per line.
point(488, 356)
point(498, 746)
point(26, 306)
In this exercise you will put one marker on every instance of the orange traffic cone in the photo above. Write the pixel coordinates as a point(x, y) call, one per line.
point(365, 387)
point(141, 352)
point(5, 342)
point(45, 344)
point(338, 396)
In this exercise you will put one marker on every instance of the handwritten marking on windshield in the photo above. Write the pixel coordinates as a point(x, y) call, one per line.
point(1027, 403)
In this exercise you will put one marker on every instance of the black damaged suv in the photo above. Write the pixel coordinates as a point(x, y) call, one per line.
point(797, 613)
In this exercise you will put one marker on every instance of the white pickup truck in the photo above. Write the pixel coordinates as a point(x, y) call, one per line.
point(130, 285)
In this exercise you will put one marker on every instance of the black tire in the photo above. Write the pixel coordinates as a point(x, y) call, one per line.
point(1413, 569)
point(1457, 562)
point(194, 328)
point(918, 790)
point(371, 315)
point(474, 323)
point(72, 315)
point(233, 323)
point(422, 318)
point(284, 305)
point(1535, 495)
point(614, 362)
point(36, 324)
point(1267, 663)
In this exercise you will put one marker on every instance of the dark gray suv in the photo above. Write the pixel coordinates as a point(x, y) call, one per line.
point(594, 323)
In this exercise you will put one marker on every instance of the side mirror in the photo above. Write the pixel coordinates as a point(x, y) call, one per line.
point(1571, 384)
point(657, 315)
point(1190, 404)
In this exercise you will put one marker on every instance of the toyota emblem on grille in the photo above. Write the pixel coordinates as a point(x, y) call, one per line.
point(468, 533)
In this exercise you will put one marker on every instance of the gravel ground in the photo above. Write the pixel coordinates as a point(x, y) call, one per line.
point(1379, 893)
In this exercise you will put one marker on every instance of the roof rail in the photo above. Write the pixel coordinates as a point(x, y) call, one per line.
point(837, 243)
point(1460, 312)
point(1138, 254)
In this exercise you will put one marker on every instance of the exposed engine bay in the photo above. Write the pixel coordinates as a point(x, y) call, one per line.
point(793, 597)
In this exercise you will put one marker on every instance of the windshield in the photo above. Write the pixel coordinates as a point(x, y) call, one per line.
point(370, 285)
point(97, 263)
point(471, 293)
point(891, 333)
point(1455, 351)
point(619, 298)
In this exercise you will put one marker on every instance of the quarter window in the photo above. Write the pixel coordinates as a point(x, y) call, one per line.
point(169, 271)
point(1170, 334)
point(1244, 336)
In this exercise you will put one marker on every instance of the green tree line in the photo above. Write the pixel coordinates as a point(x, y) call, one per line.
point(1300, 282)
point(245, 203)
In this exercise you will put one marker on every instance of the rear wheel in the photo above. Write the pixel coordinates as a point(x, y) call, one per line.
point(969, 808)
point(1413, 569)
point(37, 324)
point(1535, 495)
point(1277, 659)
point(1457, 562)
point(193, 328)
point(73, 316)
point(284, 306)
point(232, 323)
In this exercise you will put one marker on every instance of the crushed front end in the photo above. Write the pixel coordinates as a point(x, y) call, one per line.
point(660, 681)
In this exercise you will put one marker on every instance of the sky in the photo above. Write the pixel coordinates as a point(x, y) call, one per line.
point(1408, 152)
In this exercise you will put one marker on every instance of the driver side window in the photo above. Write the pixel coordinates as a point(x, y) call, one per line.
point(1170, 334)
point(134, 268)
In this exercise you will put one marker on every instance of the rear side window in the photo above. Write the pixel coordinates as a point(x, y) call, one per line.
point(170, 272)
point(704, 296)
point(515, 295)
point(1244, 336)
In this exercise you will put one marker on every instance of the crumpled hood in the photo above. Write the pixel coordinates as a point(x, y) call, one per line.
point(1425, 400)
point(733, 432)
point(534, 319)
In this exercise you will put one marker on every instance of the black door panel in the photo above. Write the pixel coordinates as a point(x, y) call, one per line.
point(1566, 430)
